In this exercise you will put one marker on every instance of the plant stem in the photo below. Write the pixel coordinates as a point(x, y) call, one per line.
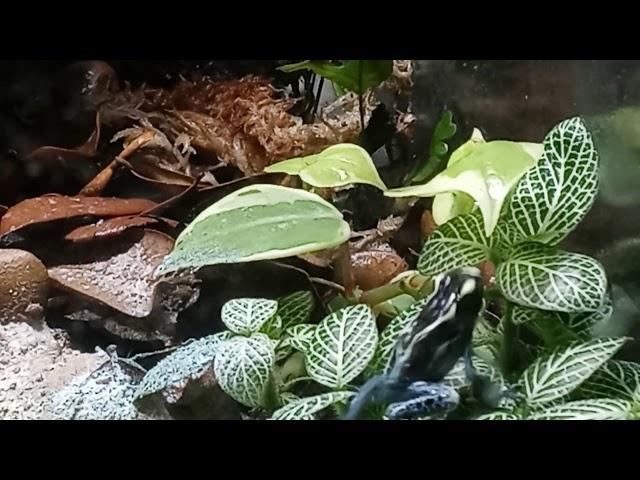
point(318, 94)
point(509, 338)
point(417, 286)
point(361, 107)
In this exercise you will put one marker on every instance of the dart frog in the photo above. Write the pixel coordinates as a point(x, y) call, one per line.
point(425, 353)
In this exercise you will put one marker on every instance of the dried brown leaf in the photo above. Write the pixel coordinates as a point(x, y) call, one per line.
point(113, 227)
point(118, 273)
point(49, 208)
point(84, 152)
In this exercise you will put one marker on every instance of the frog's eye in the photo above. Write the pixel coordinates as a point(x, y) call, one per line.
point(469, 286)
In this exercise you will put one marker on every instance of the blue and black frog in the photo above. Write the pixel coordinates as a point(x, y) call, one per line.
point(428, 351)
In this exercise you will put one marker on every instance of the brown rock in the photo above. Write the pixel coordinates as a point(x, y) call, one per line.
point(23, 286)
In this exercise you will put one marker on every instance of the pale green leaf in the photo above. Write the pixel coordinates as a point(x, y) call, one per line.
point(616, 379)
point(258, 222)
point(552, 198)
point(337, 166)
point(486, 171)
point(557, 374)
point(542, 277)
point(300, 336)
point(342, 346)
point(592, 409)
point(245, 316)
point(306, 408)
point(243, 367)
point(296, 308)
point(458, 243)
point(449, 205)
point(401, 323)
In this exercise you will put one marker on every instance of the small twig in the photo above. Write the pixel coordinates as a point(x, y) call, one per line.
point(100, 181)
point(152, 354)
point(327, 283)
point(343, 269)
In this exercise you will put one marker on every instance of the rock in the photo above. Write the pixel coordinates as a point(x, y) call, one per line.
point(23, 287)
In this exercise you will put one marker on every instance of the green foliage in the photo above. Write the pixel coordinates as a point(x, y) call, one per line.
point(353, 75)
point(539, 339)
point(438, 149)
point(336, 166)
point(258, 222)
point(342, 346)
point(484, 171)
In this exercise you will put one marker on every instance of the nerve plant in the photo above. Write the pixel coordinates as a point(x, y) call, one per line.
point(545, 302)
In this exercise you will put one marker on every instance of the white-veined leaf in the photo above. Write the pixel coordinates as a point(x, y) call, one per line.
point(305, 408)
point(188, 362)
point(273, 327)
point(295, 309)
point(592, 409)
point(243, 367)
point(460, 242)
point(258, 222)
point(557, 374)
point(556, 194)
point(300, 336)
point(583, 323)
point(389, 337)
point(457, 377)
point(247, 315)
point(283, 348)
point(342, 346)
point(542, 277)
point(499, 416)
point(616, 379)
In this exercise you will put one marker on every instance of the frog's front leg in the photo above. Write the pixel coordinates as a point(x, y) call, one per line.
point(489, 392)
point(422, 399)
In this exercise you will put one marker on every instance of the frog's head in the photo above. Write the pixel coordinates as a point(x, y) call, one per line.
point(468, 287)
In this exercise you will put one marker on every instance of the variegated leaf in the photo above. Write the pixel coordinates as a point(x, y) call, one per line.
point(557, 374)
point(616, 379)
point(460, 242)
point(388, 338)
point(243, 367)
point(553, 197)
point(306, 408)
point(342, 346)
point(592, 409)
point(542, 277)
point(296, 308)
point(300, 336)
point(245, 316)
